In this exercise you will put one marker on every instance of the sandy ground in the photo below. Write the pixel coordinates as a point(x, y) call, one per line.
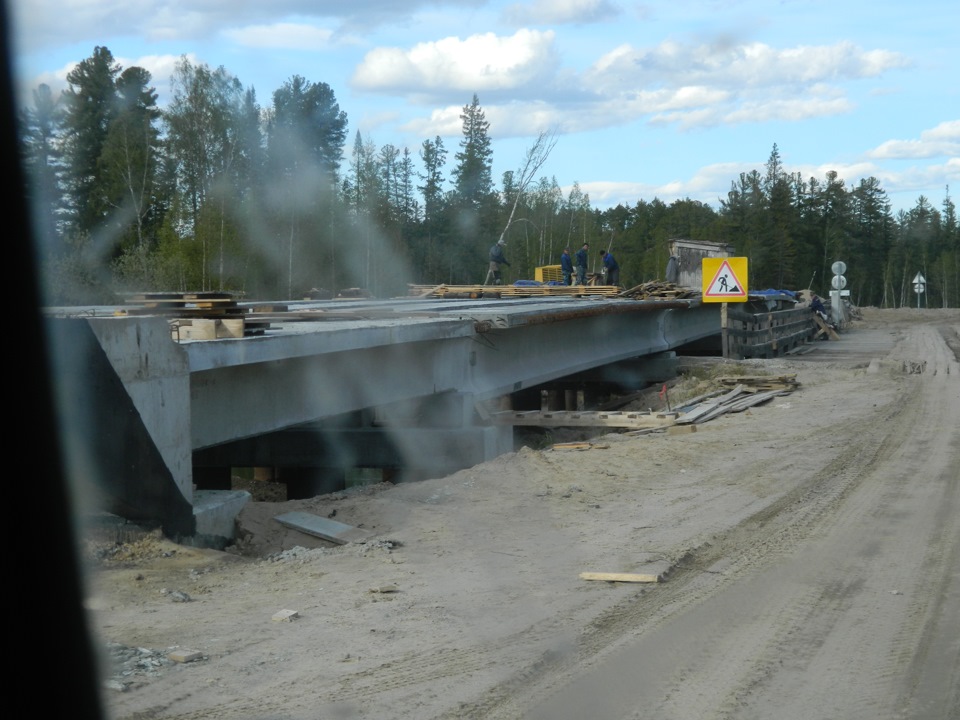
point(809, 551)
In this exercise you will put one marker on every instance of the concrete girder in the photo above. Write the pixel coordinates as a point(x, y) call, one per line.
point(195, 395)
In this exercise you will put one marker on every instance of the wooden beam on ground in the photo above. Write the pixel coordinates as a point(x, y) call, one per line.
point(331, 530)
point(620, 577)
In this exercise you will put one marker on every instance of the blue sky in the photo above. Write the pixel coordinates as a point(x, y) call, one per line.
point(648, 99)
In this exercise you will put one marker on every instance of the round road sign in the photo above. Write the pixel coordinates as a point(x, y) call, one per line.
point(839, 268)
point(839, 282)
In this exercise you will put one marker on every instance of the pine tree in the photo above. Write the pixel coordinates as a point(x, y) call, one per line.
point(90, 102)
point(306, 137)
point(473, 172)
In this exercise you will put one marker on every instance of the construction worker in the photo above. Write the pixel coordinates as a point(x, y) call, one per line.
point(610, 268)
point(582, 264)
point(566, 266)
point(497, 258)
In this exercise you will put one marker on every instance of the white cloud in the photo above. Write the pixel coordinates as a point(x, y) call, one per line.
point(478, 63)
point(711, 84)
point(161, 69)
point(294, 36)
point(46, 22)
point(753, 65)
point(558, 12)
point(943, 140)
point(444, 122)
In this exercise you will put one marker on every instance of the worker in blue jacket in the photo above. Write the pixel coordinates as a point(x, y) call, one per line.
point(497, 259)
point(582, 264)
point(566, 266)
point(611, 268)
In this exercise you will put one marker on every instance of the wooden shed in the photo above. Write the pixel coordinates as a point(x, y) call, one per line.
point(690, 253)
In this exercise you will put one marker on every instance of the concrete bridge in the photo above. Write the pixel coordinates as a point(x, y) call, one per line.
point(156, 425)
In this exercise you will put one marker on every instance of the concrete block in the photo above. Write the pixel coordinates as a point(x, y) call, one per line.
point(215, 511)
point(185, 656)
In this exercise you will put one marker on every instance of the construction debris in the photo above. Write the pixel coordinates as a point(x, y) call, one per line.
point(659, 290)
point(748, 392)
point(473, 292)
point(653, 290)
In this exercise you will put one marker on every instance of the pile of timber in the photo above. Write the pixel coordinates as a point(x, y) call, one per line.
point(196, 304)
point(746, 393)
point(659, 290)
point(473, 292)
point(196, 315)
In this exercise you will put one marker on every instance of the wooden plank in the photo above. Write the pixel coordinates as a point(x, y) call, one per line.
point(324, 528)
point(572, 446)
point(824, 328)
point(709, 410)
point(431, 291)
point(620, 577)
point(581, 419)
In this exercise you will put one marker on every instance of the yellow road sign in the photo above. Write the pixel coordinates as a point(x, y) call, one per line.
point(724, 279)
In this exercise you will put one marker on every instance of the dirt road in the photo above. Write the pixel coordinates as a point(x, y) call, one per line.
point(809, 548)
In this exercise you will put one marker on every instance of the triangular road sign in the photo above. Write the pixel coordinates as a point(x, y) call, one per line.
point(726, 284)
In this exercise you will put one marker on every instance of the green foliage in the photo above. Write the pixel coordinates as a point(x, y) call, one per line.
point(472, 174)
point(90, 106)
point(240, 198)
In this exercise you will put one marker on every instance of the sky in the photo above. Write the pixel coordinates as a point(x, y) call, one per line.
point(668, 100)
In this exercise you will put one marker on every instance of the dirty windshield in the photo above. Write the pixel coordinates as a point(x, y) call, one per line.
point(490, 359)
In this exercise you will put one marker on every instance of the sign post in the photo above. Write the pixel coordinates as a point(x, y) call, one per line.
point(919, 285)
point(838, 283)
point(724, 280)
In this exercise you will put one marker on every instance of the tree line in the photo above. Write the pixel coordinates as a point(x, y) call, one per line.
point(217, 193)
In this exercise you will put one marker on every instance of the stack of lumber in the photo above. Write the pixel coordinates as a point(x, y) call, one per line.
point(512, 291)
point(196, 315)
point(748, 391)
point(197, 304)
point(659, 290)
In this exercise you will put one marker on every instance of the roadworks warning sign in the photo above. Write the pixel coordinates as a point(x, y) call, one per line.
point(724, 279)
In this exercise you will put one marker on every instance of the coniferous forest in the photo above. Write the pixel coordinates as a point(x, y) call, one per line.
point(217, 192)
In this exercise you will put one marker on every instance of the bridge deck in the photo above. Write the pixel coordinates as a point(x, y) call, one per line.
point(417, 366)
